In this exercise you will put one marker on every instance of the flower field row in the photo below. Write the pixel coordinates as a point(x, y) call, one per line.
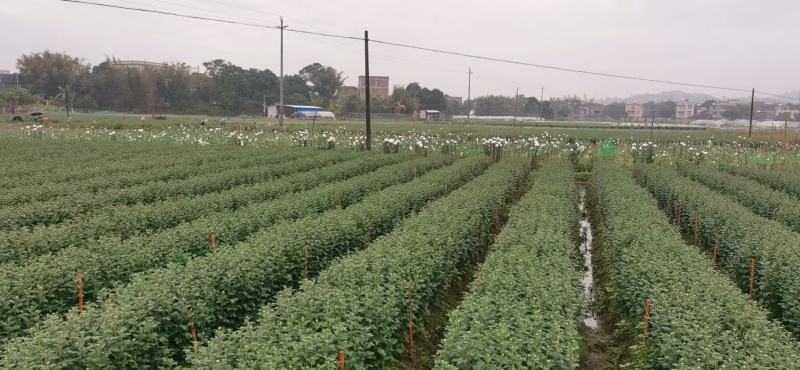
point(146, 324)
point(759, 198)
point(129, 220)
point(786, 181)
point(215, 178)
point(47, 284)
point(29, 162)
point(523, 311)
point(742, 236)
point(361, 304)
point(159, 169)
point(699, 319)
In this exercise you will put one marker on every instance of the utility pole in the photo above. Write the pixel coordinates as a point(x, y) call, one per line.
point(752, 102)
point(516, 105)
point(368, 115)
point(280, 88)
point(541, 105)
point(469, 92)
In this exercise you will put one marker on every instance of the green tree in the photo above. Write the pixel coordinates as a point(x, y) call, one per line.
point(323, 81)
point(493, 105)
point(616, 110)
point(666, 109)
point(44, 73)
point(14, 97)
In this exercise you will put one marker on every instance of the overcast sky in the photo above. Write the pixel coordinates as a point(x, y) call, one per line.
point(733, 43)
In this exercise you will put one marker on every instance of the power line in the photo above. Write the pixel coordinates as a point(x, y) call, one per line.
point(428, 49)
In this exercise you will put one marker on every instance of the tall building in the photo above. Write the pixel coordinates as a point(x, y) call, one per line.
point(684, 110)
point(634, 111)
point(8, 79)
point(378, 86)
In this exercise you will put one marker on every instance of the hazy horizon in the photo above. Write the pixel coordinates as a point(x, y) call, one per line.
point(727, 43)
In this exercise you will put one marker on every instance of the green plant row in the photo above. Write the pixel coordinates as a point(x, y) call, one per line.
point(360, 304)
point(163, 169)
point(523, 309)
point(47, 284)
point(761, 199)
point(126, 221)
point(33, 162)
point(146, 325)
point(785, 181)
point(743, 235)
point(221, 178)
point(699, 319)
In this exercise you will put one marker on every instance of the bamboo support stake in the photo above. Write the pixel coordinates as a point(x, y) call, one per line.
point(370, 231)
point(195, 342)
point(445, 189)
point(647, 305)
point(213, 241)
point(341, 360)
point(306, 255)
point(412, 350)
point(752, 278)
point(414, 171)
point(338, 200)
point(696, 230)
point(79, 280)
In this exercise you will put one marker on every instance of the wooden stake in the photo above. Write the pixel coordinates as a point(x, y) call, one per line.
point(195, 342)
point(445, 189)
point(647, 305)
point(338, 200)
point(370, 231)
point(412, 350)
point(213, 241)
point(306, 255)
point(79, 280)
point(696, 230)
point(396, 179)
point(752, 277)
point(414, 171)
point(341, 360)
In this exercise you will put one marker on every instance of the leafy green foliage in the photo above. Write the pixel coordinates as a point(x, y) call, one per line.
point(359, 304)
point(759, 198)
point(523, 310)
point(786, 181)
point(129, 220)
point(742, 236)
point(222, 288)
point(47, 284)
point(699, 319)
point(51, 211)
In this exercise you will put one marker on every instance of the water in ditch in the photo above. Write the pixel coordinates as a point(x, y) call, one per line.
point(587, 281)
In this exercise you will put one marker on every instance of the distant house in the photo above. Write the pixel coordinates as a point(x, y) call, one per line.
point(429, 115)
point(590, 110)
point(378, 86)
point(453, 100)
point(765, 111)
point(345, 92)
point(634, 111)
point(724, 106)
point(138, 65)
point(684, 110)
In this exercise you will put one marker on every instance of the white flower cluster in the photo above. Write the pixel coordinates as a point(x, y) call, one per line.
point(495, 142)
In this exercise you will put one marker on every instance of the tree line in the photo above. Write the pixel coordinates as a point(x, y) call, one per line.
point(221, 87)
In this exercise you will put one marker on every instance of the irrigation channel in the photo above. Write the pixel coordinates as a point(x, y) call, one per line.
point(590, 318)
